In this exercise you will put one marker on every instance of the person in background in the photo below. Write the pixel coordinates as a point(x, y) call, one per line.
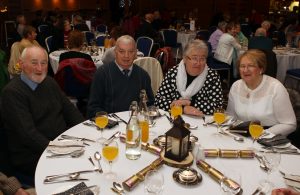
point(241, 38)
point(118, 83)
point(260, 40)
point(266, 25)
point(284, 191)
point(67, 30)
point(215, 36)
point(191, 84)
point(34, 111)
point(11, 186)
point(21, 23)
point(79, 24)
point(258, 97)
point(29, 38)
point(109, 54)
point(228, 47)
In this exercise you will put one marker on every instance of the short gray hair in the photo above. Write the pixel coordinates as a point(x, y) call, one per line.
point(222, 25)
point(125, 39)
point(261, 32)
point(25, 51)
point(195, 45)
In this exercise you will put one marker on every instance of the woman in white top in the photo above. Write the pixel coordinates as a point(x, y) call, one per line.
point(258, 97)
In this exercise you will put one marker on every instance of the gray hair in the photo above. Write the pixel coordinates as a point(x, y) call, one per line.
point(125, 39)
point(261, 32)
point(195, 45)
point(25, 52)
point(222, 25)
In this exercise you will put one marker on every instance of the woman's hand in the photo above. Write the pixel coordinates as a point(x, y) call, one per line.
point(190, 110)
point(284, 191)
point(181, 102)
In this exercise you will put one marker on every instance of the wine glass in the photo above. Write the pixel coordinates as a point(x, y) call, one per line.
point(152, 113)
point(272, 161)
point(255, 130)
point(110, 151)
point(176, 110)
point(219, 117)
point(154, 182)
point(101, 121)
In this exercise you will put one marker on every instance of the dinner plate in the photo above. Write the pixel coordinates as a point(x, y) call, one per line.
point(60, 150)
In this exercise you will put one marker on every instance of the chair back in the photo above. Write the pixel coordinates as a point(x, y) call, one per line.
point(271, 63)
point(246, 30)
point(145, 44)
point(89, 37)
point(43, 28)
point(100, 40)
point(165, 57)
point(49, 44)
point(74, 76)
point(170, 37)
point(203, 35)
point(101, 28)
point(153, 68)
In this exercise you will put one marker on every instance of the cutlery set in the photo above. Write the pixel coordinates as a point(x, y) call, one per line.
point(67, 177)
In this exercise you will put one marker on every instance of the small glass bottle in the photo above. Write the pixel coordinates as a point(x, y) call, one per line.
point(133, 137)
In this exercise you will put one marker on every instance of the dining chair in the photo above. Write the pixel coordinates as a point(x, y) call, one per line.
point(170, 39)
point(100, 40)
point(144, 44)
point(49, 44)
point(203, 35)
point(153, 68)
point(293, 74)
point(101, 28)
point(89, 37)
point(220, 67)
point(43, 28)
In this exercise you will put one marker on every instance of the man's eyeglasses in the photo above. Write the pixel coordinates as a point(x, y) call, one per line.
point(196, 59)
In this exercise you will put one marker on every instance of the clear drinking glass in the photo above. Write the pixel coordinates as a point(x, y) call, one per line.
point(154, 182)
point(233, 175)
point(101, 121)
point(272, 160)
point(110, 151)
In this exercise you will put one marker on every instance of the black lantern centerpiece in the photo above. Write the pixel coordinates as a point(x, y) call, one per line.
point(177, 141)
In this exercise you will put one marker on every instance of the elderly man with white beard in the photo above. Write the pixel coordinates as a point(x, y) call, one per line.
point(34, 110)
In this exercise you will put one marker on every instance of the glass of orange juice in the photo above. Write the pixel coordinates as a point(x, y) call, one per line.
point(176, 110)
point(110, 151)
point(143, 120)
point(101, 121)
point(255, 130)
point(219, 117)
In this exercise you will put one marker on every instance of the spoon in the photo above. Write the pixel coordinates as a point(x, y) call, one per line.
point(235, 137)
point(118, 187)
point(191, 127)
point(97, 156)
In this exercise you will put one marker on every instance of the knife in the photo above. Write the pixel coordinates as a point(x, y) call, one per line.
point(47, 181)
point(76, 138)
point(117, 117)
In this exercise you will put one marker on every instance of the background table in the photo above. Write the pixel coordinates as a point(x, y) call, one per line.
point(185, 37)
point(249, 168)
point(54, 59)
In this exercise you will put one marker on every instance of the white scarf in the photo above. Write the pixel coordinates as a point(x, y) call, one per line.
point(194, 87)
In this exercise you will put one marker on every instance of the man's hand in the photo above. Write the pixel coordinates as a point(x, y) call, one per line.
point(21, 191)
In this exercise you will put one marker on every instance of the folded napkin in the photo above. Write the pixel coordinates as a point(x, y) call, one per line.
point(241, 126)
point(273, 141)
point(65, 146)
point(292, 180)
point(77, 189)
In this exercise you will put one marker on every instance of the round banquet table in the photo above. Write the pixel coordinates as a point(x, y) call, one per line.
point(251, 173)
point(54, 59)
point(185, 37)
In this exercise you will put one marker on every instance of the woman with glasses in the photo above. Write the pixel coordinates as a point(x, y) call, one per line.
point(191, 84)
point(258, 97)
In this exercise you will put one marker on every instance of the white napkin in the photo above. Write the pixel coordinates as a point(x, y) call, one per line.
point(292, 180)
point(64, 147)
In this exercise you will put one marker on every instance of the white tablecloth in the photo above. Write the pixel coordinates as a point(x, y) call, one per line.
point(185, 37)
point(54, 60)
point(286, 60)
point(249, 168)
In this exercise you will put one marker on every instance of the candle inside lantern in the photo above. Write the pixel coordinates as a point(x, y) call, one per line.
point(175, 146)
